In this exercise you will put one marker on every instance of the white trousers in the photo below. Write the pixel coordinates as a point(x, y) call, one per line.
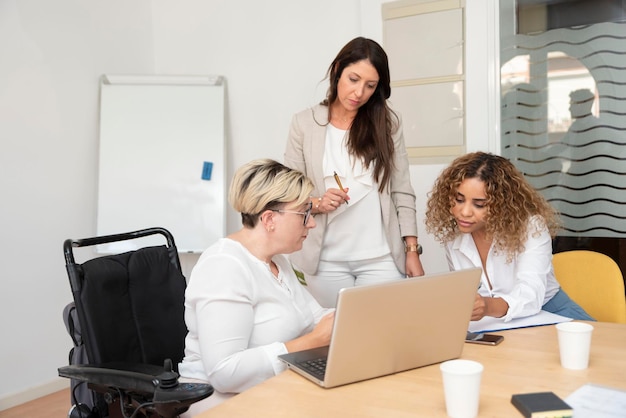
point(335, 275)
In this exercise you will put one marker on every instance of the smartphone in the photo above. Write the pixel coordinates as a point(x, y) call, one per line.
point(480, 338)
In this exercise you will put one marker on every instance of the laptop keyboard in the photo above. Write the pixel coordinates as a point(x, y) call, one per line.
point(316, 367)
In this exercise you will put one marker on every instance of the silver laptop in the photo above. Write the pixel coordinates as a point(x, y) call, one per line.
point(391, 327)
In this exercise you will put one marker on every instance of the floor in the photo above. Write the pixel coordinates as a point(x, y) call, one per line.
point(54, 405)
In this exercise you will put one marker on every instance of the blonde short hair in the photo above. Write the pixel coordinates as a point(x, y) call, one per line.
point(266, 184)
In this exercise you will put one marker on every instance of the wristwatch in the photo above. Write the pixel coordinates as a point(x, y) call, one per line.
point(416, 248)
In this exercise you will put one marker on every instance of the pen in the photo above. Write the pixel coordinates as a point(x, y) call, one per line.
point(339, 183)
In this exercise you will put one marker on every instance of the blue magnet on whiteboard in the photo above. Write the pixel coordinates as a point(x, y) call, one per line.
point(207, 168)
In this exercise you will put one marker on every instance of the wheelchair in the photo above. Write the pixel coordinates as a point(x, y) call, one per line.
point(127, 324)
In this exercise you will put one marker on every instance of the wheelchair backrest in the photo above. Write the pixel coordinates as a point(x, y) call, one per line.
point(133, 307)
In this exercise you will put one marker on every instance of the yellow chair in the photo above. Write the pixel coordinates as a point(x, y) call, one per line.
point(594, 281)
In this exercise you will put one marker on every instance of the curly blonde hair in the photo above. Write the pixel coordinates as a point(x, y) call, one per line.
point(511, 202)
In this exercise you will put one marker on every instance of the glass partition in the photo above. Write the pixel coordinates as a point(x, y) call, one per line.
point(563, 108)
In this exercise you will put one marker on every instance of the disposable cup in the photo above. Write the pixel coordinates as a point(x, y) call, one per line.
point(574, 344)
point(461, 387)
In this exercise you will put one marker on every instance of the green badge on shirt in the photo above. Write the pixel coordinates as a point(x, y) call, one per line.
point(299, 275)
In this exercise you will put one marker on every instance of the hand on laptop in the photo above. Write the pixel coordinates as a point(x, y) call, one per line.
point(319, 337)
point(324, 329)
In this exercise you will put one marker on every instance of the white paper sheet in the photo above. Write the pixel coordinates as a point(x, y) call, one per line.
point(490, 324)
point(595, 401)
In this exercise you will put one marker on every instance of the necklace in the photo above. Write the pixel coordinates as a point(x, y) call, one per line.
point(347, 119)
point(344, 119)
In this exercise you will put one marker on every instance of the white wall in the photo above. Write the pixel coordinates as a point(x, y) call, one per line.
point(273, 54)
point(52, 55)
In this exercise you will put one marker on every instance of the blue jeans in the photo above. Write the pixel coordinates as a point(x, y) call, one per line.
point(561, 304)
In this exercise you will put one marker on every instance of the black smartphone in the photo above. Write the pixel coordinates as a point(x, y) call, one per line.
point(480, 338)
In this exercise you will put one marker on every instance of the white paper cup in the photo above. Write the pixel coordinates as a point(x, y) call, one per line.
point(574, 343)
point(461, 387)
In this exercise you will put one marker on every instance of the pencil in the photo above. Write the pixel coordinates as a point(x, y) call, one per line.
point(339, 183)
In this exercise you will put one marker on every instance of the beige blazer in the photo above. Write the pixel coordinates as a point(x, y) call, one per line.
point(305, 152)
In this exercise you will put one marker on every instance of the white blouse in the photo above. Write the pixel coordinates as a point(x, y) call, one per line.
point(239, 316)
point(346, 238)
point(526, 283)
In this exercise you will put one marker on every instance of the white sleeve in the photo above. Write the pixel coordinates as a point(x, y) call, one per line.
point(533, 267)
point(224, 309)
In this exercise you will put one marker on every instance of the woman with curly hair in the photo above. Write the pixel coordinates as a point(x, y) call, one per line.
point(487, 215)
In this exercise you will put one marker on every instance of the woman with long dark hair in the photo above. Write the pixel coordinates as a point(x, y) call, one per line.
point(351, 145)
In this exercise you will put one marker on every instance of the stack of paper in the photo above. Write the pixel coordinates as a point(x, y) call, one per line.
point(490, 324)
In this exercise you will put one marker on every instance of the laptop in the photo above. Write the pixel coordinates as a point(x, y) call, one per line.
point(391, 327)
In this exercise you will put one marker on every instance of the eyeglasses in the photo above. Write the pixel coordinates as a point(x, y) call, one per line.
point(306, 213)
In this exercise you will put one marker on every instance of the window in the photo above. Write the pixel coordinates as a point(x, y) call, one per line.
point(427, 75)
point(563, 107)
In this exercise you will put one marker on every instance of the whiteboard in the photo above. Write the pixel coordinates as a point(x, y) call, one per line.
point(162, 159)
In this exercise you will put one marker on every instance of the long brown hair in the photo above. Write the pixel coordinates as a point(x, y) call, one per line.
point(370, 137)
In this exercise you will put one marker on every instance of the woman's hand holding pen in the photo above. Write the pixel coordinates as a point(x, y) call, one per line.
point(331, 200)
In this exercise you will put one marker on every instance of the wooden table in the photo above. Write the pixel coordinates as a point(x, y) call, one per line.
point(526, 361)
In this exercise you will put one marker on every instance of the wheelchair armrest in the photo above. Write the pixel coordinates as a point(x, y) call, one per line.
point(140, 378)
point(157, 383)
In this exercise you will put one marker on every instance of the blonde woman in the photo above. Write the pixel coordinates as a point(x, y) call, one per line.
point(244, 305)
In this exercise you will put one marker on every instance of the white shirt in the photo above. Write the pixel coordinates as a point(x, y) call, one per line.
point(526, 283)
point(355, 231)
point(239, 317)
